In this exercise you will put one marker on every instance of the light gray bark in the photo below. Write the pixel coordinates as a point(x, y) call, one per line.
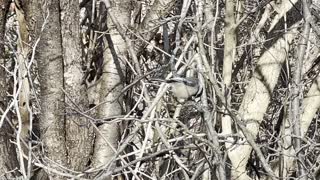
point(230, 43)
point(111, 85)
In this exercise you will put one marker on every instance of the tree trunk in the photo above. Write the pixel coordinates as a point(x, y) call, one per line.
point(8, 156)
point(79, 132)
point(111, 85)
point(46, 15)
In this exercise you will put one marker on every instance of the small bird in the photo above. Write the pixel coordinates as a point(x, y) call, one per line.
point(183, 88)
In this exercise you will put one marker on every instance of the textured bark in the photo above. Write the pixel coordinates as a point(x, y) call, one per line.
point(258, 94)
point(79, 132)
point(111, 86)
point(8, 160)
point(50, 64)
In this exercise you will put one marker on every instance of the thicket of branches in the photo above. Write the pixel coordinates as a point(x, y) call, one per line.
point(92, 106)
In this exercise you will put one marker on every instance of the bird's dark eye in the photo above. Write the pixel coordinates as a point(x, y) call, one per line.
point(190, 83)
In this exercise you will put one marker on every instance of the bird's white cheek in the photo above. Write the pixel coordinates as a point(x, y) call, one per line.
point(180, 91)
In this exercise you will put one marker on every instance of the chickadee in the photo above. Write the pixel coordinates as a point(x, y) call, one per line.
point(184, 88)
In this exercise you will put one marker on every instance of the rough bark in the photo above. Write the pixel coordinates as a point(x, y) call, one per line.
point(79, 132)
point(50, 64)
point(258, 93)
point(111, 85)
point(8, 157)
